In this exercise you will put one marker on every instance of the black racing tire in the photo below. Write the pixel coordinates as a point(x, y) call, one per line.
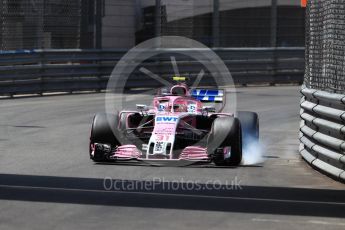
point(226, 131)
point(250, 126)
point(102, 129)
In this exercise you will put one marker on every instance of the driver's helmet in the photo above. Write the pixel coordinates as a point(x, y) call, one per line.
point(179, 91)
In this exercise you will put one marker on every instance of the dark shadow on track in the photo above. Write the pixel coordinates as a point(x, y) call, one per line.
point(179, 163)
point(170, 195)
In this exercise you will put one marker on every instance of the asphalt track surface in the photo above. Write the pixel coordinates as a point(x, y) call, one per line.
point(48, 182)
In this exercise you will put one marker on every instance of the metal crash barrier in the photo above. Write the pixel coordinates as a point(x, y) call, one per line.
point(322, 131)
point(44, 71)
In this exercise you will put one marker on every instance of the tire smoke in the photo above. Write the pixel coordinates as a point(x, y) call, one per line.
point(252, 152)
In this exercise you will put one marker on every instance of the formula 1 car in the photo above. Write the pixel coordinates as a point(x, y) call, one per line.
point(178, 127)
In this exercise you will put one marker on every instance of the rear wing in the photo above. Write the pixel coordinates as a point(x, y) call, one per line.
point(208, 95)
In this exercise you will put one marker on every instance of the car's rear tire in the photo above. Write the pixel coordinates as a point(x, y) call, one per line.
point(102, 131)
point(250, 126)
point(226, 132)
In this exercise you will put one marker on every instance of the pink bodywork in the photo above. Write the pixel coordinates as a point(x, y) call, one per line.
point(163, 106)
point(129, 152)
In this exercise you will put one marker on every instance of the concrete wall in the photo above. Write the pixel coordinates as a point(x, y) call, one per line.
point(119, 24)
point(178, 9)
point(122, 17)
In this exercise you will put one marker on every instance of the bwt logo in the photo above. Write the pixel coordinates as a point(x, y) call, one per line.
point(166, 119)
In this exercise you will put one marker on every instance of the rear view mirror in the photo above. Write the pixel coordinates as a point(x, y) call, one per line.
point(142, 107)
point(209, 109)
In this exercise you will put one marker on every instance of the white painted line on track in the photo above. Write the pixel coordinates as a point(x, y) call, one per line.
point(317, 222)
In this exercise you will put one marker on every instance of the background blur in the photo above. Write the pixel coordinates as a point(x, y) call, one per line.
point(57, 24)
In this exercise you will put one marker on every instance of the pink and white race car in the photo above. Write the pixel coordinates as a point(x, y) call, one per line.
point(177, 128)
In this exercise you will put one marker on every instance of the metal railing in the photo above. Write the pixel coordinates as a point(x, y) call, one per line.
point(44, 71)
point(322, 131)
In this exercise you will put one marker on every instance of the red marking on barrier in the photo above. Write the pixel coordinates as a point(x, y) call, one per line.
point(304, 3)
